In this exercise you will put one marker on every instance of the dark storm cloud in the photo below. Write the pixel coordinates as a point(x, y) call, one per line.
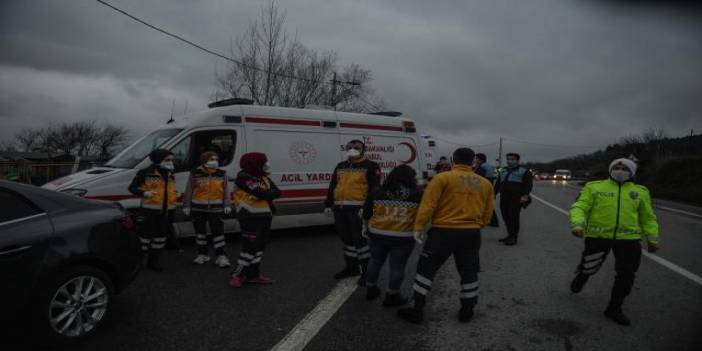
point(546, 71)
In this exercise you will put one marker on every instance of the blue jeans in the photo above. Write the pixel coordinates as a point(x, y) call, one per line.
point(399, 251)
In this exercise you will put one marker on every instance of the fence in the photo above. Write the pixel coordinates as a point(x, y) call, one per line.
point(39, 172)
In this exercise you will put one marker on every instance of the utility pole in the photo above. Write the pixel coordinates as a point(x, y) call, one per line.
point(499, 157)
point(333, 93)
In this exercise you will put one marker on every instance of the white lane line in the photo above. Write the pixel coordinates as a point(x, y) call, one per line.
point(664, 208)
point(663, 262)
point(313, 322)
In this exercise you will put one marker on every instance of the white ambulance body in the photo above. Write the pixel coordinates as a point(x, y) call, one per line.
point(303, 147)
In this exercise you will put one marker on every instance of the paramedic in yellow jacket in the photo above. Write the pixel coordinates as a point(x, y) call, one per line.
point(458, 203)
point(207, 198)
point(253, 198)
point(156, 187)
point(613, 215)
point(389, 215)
point(353, 180)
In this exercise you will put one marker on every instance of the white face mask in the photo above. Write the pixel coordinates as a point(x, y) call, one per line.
point(267, 167)
point(167, 165)
point(212, 164)
point(353, 153)
point(620, 175)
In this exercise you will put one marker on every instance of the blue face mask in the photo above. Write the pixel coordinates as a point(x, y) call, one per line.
point(512, 163)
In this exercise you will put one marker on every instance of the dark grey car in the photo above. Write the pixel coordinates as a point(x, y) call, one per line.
point(62, 259)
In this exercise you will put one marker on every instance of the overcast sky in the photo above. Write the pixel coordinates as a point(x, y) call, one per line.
point(557, 72)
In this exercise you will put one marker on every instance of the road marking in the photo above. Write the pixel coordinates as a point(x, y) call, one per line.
point(665, 208)
point(665, 263)
point(313, 322)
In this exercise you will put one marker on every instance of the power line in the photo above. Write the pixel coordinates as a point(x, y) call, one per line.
point(465, 145)
point(211, 52)
point(549, 145)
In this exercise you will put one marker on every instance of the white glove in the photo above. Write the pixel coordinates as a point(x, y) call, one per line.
point(419, 237)
point(328, 211)
point(148, 194)
point(186, 211)
point(227, 210)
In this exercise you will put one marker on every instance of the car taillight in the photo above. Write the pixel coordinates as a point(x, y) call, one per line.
point(126, 222)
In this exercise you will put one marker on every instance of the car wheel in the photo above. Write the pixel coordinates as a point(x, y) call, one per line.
point(73, 305)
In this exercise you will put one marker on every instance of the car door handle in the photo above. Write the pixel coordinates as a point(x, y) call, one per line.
point(15, 250)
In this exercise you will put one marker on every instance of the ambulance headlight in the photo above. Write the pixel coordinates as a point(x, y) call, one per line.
point(76, 192)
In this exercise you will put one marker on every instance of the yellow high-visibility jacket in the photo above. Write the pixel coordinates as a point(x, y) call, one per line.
point(609, 210)
point(162, 186)
point(391, 212)
point(207, 190)
point(254, 196)
point(457, 199)
point(352, 182)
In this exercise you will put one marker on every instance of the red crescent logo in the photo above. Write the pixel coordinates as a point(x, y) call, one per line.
point(413, 153)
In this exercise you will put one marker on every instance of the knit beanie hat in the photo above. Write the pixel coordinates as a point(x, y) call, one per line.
point(158, 155)
point(253, 162)
point(631, 165)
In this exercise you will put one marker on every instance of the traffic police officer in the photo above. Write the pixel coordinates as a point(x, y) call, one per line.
point(613, 215)
point(514, 184)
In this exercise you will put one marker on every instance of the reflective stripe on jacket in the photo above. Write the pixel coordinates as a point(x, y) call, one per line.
point(207, 190)
point(163, 189)
point(254, 196)
point(392, 212)
point(458, 199)
point(606, 209)
point(352, 182)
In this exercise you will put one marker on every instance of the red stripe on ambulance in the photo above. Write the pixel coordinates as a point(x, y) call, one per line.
point(292, 122)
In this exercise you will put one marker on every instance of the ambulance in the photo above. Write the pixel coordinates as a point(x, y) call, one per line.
point(303, 147)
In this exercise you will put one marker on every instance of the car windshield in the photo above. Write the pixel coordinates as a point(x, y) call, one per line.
point(136, 153)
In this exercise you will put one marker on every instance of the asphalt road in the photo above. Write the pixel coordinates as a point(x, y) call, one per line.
point(524, 304)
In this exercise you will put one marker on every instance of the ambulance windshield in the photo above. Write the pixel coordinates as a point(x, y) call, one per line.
point(136, 153)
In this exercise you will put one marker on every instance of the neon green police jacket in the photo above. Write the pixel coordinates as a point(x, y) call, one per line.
point(605, 209)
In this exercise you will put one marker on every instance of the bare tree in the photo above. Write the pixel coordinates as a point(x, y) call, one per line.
point(278, 70)
point(8, 146)
point(29, 139)
point(108, 139)
point(76, 138)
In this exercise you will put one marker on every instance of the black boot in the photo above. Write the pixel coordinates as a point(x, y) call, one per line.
point(372, 292)
point(617, 316)
point(394, 300)
point(465, 314)
point(411, 314)
point(578, 283)
point(346, 273)
point(614, 312)
point(510, 241)
point(153, 262)
point(504, 239)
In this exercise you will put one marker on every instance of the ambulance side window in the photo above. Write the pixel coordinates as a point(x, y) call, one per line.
point(187, 152)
